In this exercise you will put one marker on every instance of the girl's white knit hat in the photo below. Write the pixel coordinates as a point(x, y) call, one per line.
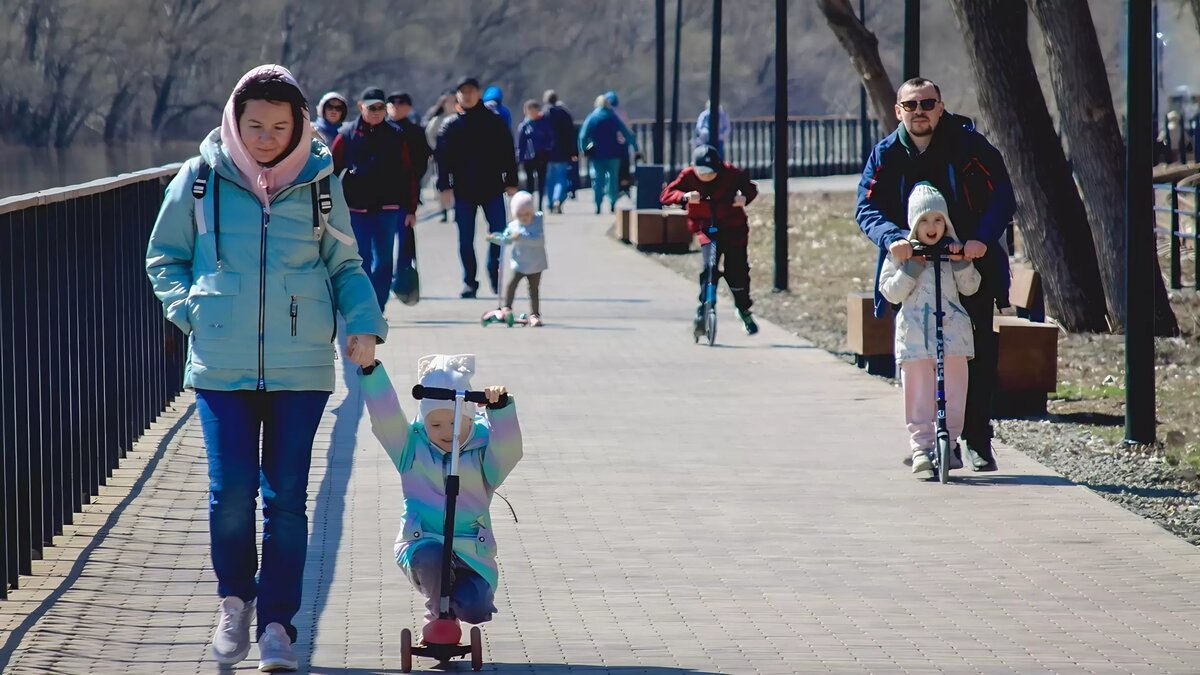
point(923, 199)
point(447, 372)
point(519, 201)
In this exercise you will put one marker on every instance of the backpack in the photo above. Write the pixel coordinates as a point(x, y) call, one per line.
point(322, 204)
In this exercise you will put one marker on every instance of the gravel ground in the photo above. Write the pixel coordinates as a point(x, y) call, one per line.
point(1080, 438)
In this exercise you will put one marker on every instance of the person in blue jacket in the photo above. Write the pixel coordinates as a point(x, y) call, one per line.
point(252, 256)
point(493, 99)
point(598, 140)
point(945, 150)
point(564, 150)
point(535, 142)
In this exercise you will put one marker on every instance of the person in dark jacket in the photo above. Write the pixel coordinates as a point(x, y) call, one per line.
point(476, 166)
point(715, 193)
point(944, 149)
point(331, 113)
point(399, 109)
point(535, 140)
point(377, 174)
point(564, 151)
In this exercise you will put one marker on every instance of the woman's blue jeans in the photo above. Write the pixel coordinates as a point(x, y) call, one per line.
point(231, 421)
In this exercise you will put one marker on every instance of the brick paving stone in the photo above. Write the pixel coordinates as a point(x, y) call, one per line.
point(682, 509)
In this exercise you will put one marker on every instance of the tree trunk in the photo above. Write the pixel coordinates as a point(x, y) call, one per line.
point(1080, 84)
point(1195, 4)
point(118, 111)
point(1053, 220)
point(863, 48)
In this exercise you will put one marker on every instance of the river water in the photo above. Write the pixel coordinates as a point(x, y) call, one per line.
point(31, 169)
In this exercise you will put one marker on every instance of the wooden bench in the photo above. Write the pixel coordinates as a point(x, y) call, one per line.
point(870, 339)
point(1025, 293)
point(659, 230)
point(621, 228)
point(1027, 369)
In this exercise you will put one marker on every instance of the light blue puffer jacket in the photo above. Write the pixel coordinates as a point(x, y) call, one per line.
point(265, 317)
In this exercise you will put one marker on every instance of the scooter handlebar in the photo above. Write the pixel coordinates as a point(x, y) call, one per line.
point(930, 252)
point(441, 394)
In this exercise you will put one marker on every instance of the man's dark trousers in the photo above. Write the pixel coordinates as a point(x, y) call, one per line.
point(977, 427)
point(464, 216)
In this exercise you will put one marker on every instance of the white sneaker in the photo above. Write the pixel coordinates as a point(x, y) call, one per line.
point(231, 640)
point(921, 462)
point(275, 651)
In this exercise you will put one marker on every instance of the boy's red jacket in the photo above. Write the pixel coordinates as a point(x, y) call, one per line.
point(731, 221)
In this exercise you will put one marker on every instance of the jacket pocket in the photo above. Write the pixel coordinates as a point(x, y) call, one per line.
point(310, 307)
point(485, 541)
point(211, 303)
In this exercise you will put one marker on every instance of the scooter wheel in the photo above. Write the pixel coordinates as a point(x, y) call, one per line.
point(476, 648)
point(943, 461)
point(406, 651)
point(510, 319)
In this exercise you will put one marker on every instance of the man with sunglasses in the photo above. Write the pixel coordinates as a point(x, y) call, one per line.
point(378, 179)
point(944, 149)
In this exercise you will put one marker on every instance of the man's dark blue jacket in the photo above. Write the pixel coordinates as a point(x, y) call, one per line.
point(970, 174)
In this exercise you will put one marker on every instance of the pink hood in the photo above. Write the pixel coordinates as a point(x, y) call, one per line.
point(263, 181)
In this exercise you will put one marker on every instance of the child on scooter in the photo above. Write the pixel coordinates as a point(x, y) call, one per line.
point(526, 236)
point(908, 281)
point(420, 450)
point(713, 187)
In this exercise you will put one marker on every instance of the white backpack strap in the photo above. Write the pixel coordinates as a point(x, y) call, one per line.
point(199, 190)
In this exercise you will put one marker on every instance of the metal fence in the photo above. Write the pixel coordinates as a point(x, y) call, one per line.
point(86, 359)
point(817, 146)
point(1176, 236)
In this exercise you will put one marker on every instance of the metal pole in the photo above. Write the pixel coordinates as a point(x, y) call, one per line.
point(912, 38)
point(714, 96)
point(675, 90)
point(660, 60)
point(863, 122)
point(781, 146)
point(1139, 215)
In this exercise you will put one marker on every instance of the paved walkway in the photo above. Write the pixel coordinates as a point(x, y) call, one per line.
point(682, 509)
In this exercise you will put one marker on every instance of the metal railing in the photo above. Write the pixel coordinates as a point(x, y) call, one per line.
point(86, 359)
point(817, 146)
point(1176, 236)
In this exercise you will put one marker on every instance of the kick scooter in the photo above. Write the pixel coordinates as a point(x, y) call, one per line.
point(442, 639)
point(942, 458)
point(498, 315)
point(708, 312)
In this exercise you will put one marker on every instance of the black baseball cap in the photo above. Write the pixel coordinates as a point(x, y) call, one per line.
point(467, 82)
point(705, 159)
point(371, 95)
point(399, 98)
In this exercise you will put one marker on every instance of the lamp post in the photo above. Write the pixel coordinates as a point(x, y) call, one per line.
point(660, 59)
point(912, 38)
point(781, 147)
point(714, 96)
point(1139, 215)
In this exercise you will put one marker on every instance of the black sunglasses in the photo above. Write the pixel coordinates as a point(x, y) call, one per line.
point(926, 104)
point(335, 106)
point(375, 107)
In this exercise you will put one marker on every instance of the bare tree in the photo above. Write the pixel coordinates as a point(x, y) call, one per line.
point(863, 48)
point(1080, 85)
point(1053, 220)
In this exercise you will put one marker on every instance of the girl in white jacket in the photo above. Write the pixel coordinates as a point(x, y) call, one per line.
point(910, 284)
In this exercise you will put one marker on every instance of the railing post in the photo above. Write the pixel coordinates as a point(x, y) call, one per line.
point(1196, 238)
point(1176, 272)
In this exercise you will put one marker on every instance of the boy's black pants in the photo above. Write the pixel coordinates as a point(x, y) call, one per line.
point(736, 272)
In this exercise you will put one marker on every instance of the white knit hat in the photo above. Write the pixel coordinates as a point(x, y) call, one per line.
point(923, 199)
point(448, 372)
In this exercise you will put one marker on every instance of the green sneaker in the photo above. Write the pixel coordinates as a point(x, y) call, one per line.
point(748, 322)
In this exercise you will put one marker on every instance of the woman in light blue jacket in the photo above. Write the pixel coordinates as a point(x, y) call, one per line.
point(252, 256)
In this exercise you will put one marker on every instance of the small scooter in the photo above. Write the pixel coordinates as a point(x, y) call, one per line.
point(708, 325)
point(442, 640)
point(942, 458)
point(498, 315)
